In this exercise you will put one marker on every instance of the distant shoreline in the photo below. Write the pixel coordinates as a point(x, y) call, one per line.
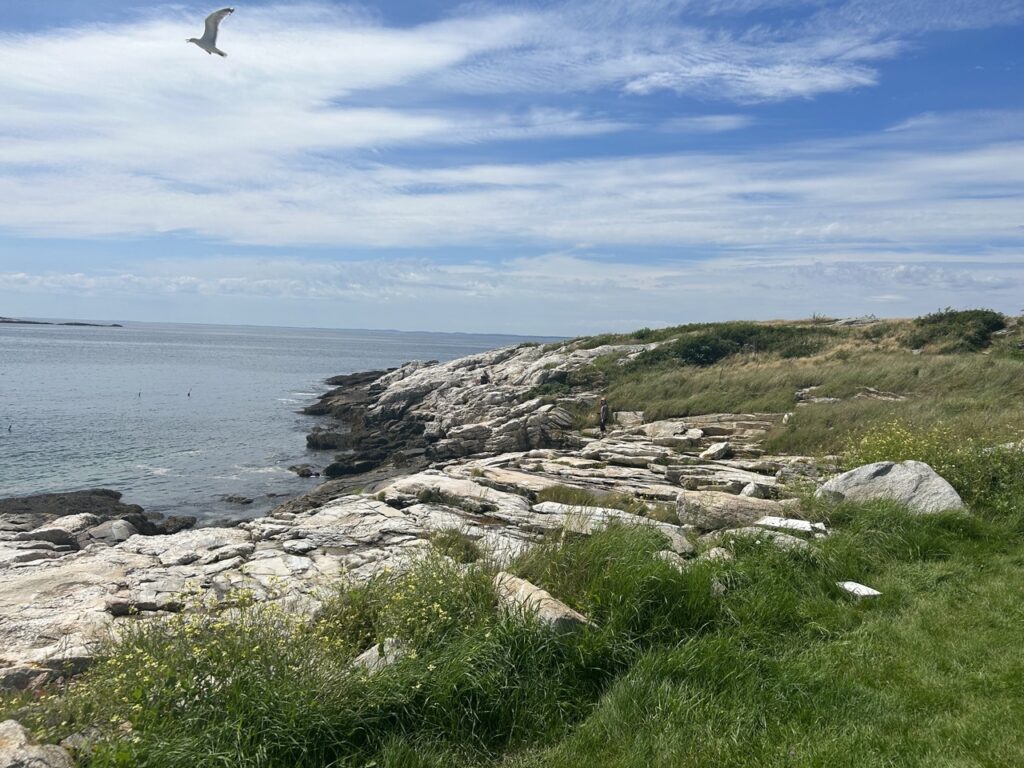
point(16, 321)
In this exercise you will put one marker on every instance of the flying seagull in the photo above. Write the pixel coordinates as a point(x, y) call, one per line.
point(208, 42)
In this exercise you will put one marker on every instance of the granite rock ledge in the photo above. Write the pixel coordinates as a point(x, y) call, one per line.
point(466, 451)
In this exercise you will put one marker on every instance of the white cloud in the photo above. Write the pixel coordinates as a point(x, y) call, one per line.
point(880, 190)
point(299, 79)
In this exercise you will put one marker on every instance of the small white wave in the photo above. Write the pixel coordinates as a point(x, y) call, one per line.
point(263, 470)
point(155, 471)
point(288, 400)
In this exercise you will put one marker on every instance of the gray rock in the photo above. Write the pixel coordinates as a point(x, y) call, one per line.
point(24, 678)
point(23, 513)
point(380, 656)
point(14, 556)
point(791, 524)
point(717, 451)
point(83, 741)
point(857, 591)
point(713, 510)
point(628, 418)
point(780, 540)
point(754, 490)
point(677, 562)
point(17, 750)
point(64, 530)
point(911, 483)
point(716, 554)
point(678, 542)
point(520, 595)
point(298, 546)
point(112, 531)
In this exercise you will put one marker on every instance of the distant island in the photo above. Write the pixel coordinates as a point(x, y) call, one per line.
point(16, 321)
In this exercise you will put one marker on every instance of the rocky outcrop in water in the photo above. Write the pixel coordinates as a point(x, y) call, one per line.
point(48, 525)
point(428, 412)
point(16, 321)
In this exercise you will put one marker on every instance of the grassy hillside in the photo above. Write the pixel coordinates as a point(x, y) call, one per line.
point(963, 370)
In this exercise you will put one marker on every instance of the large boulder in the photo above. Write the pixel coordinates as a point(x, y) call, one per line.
point(911, 483)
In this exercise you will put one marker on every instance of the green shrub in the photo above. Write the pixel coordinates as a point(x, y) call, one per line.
point(956, 330)
point(718, 342)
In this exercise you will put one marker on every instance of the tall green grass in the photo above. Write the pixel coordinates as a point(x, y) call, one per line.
point(929, 674)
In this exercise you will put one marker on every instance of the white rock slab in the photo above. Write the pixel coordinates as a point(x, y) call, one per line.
point(717, 451)
point(859, 591)
point(790, 524)
point(17, 750)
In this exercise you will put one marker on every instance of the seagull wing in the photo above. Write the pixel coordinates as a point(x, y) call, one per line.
point(213, 22)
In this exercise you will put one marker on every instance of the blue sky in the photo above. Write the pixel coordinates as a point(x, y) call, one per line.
point(535, 167)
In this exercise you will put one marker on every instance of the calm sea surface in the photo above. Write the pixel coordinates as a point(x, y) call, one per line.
point(110, 407)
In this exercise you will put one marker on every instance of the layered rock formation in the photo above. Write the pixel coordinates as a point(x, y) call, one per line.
point(424, 412)
point(48, 525)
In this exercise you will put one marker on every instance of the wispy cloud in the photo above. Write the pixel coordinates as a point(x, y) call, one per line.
point(885, 188)
point(707, 123)
point(568, 291)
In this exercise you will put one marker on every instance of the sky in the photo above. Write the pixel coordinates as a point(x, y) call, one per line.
point(552, 168)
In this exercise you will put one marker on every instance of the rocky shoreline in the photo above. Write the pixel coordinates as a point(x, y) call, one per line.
point(425, 448)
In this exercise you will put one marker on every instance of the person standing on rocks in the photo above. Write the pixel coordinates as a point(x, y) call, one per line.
point(603, 413)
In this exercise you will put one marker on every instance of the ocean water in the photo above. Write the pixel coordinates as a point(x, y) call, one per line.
point(179, 416)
